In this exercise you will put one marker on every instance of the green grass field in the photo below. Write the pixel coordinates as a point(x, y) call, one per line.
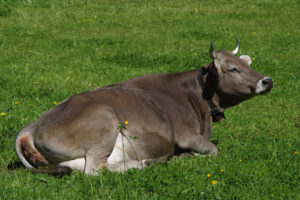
point(50, 50)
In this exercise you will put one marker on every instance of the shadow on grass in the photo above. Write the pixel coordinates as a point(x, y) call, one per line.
point(56, 171)
point(15, 165)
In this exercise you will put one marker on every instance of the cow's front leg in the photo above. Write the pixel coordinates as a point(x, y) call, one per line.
point(207, 147)
point(199, 144)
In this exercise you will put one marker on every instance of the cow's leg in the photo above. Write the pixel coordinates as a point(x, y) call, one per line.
point(95, 160)
point(199, 144)
point(207, 147)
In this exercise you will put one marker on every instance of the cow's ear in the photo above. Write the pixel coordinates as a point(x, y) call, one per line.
point(246, 58)
point(216, 68)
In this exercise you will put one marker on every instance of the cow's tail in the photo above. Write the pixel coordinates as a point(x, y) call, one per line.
point(25, 148)
point(32, 159)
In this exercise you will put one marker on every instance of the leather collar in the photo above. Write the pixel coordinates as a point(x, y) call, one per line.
point(216, 113)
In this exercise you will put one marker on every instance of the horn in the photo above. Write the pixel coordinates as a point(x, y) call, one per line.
point(236, 50)
point(212, 53)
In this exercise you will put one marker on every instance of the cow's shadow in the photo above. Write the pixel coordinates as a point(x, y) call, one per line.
point(15, 165)
point(57, 172)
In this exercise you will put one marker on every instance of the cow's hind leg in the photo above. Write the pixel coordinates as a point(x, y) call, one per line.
point(95, 161)
point(102, 140)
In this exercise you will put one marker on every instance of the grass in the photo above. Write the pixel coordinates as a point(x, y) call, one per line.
point(50, 50)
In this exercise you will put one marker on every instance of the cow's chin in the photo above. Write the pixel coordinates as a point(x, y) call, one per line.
point(264, 92)
point(259, 91)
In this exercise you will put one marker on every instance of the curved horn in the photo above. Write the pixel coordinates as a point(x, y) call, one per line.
point(212, 52)
point(236, 50)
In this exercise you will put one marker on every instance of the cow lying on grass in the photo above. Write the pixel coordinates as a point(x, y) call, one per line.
point(128, 124)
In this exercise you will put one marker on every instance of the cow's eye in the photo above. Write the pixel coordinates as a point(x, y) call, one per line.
point(234, 70)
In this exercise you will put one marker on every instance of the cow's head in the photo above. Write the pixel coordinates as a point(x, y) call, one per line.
point(236, 80)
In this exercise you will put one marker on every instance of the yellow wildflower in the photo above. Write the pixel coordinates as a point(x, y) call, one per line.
point(54, 102)
point(208, 175)
point(296, 153)
point(35, 82)
point(35, 25)
point(16, 102)
point(95, 17)
point(126, 122)
point(3, 113)
point(240, 160)
point(222, 170)
point(254, 33)
point(253, 58)
point(214, 182)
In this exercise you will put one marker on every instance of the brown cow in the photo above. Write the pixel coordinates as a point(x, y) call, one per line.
point(162, 113)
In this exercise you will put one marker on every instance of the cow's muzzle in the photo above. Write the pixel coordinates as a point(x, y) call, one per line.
point(264, 85)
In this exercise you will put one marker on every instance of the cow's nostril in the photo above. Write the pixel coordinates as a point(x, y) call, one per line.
point(267, 81)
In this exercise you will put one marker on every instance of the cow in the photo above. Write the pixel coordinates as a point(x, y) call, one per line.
point(129, 124)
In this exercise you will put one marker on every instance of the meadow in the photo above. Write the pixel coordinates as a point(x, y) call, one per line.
point(50, 50)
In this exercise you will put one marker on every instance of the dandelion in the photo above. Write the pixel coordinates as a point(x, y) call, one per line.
point(35, 82)
point(126, 122)
point(254, 33)
point(253, 58)
point(208, 175)
point(214, 182)
point(221, 170)
point(95, 17)
point(54, 102)
point(2, 113)
point(296, 153)
point(240, 160)
point(16, 102)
